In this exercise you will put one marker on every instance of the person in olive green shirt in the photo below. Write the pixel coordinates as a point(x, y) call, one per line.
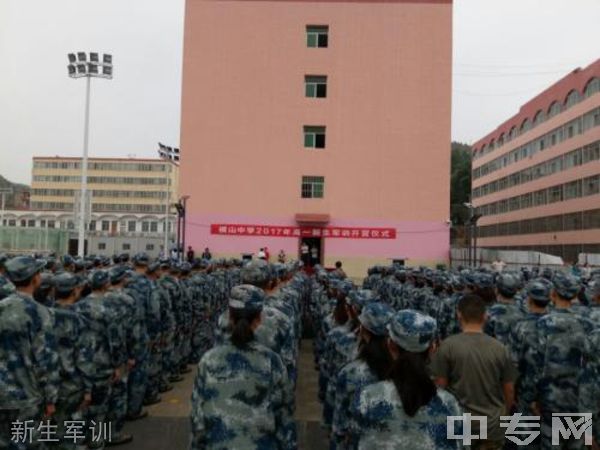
point(478, 370)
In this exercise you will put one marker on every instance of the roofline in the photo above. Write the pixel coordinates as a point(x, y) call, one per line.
point(576, 80)
point(78, 158)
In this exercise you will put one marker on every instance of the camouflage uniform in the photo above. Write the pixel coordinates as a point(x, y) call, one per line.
point(145, 311)
point(239, 397)
point(378, 408)
point(154, 327)
point(354, 376)
point(29, 375)
point(385, 425)
point(29, 370)
point(76, 359)
point(561, 352)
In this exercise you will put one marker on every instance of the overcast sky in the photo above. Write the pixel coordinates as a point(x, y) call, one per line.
point(505, 52)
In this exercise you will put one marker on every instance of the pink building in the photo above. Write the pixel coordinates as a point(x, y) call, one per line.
point(325, 122)
point(536, 178)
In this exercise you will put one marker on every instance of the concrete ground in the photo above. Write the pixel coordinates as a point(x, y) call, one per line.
point(167, 425)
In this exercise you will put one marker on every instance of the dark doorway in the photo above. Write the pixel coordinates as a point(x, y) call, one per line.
point(73, 247)
point(315, 251)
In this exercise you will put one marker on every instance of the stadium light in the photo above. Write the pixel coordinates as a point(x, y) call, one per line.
point(81, 66)
point(168, 154)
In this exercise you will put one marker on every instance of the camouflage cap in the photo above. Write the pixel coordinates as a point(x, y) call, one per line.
point(470, 278)
point(141, 260)
point(47, 280)
point(6, 287)
point(185, 268)
point(118, 274)
point(255, 273)
point(359, 297)
point(507, 284)
point(412, 331)
point(246, 297)
point(539, 290)
point(375, 317)
point(22, 268)
point(152, 267)
point(547, 273)
point(484, 280)
point(565, 285)
point(98, 279)
point(66, 282)
point(345, 286)
point(457, 282)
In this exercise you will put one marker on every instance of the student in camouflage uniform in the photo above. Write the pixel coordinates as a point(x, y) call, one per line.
point(76, 355)
point(407, 410)
point(561, 351)
point(239, 397)
point(371, 366)
point(502, 316)
point(147, 313)
point(104, 331)
point(344, 347)
point(170, 371)
point(29, 375)
point(155, 328)
point(343, 327)
point(128, 318)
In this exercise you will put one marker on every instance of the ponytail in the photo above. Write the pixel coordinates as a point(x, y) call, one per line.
point(375, 354)
point(413, 384)
point(241, 326)
point(340, 314)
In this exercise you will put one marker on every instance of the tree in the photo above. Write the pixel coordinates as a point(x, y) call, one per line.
point(460, 182)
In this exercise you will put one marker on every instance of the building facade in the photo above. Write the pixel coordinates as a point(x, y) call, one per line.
point(536, 178)
point(318, 122)
point(127, 199)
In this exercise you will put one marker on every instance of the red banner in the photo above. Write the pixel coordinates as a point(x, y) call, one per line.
point(326, 232)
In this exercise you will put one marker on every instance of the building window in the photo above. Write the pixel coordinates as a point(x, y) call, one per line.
point(315, 86)
point(572, 99)
point(591, 185)
point(31, 223)
point(538, 118)
point(145, 227)
point(42, 223)
point(317, 36)
point(555, 194)
point(126, 246)
point(554, 109)
point(101, 246)
point(592, 87)
point(23, 223)
point(131, 226)
point(105, 225)
point(12, 223)
point(92, 225)
point(149, 247)
point(573, 189)
point(51, 224)
point(312, 187)
point(154, 227)
point(314, 137)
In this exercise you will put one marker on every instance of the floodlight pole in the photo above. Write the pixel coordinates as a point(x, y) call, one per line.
point(2, 210)
point(84, 164)
point(167, 207)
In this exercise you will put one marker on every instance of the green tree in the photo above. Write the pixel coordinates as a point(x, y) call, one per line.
point(460, 182)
